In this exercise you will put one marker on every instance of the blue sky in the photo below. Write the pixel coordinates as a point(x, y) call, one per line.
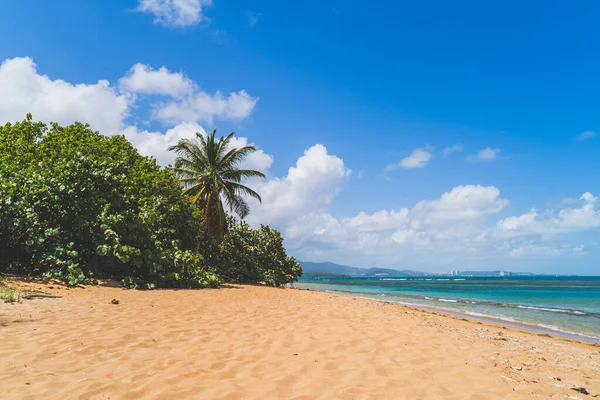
point(383, 88)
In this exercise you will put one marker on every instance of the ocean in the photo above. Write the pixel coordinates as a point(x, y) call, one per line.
point(566, 306)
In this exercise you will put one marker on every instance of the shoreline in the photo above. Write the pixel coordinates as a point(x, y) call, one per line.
point(472, 316)
point(256, 342)
point(521, 326)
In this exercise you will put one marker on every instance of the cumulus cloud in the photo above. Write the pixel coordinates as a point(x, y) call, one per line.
point(106, 108)
point(584, 217)
point(175, 13)
point(146, 80)
point(186, 103)
point(457, 227)
point(298, 205)
point(417, 159)
point(462, 203)
point(452, 149)
point(203, 107)
point(379, 221)
point(310, 186)
point(24, 91)
point(586, 135)
point(487, 154)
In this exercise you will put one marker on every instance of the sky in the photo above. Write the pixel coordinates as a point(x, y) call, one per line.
point(427, 135)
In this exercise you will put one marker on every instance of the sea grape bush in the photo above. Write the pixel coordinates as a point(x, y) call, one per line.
point(256, 255)
point(77, 205)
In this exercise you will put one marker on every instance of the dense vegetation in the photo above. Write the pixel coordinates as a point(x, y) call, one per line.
point(77, 205)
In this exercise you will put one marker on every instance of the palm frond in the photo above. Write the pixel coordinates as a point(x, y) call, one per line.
point(238, 174)
point(223, 145)
point(240, 207)
point(234, 157)
point(241, 190)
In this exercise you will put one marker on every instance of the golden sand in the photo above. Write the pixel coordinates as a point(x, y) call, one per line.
point(251, 342)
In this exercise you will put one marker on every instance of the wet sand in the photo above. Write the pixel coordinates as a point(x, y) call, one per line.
point(252, 342)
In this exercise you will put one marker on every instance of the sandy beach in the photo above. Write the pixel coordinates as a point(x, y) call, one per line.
point(252, 342)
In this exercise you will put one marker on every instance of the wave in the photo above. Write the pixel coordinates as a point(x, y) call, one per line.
point(393, 279)
point(469, 302)
point(500, 318)
point(448, 300)
point(557, 310)
point(491, 316)
point(561, 330)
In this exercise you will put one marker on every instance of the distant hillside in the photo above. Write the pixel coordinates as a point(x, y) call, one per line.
point(329, 268)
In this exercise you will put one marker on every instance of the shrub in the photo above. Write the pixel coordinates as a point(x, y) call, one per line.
point(256, 255)
point(76, 205)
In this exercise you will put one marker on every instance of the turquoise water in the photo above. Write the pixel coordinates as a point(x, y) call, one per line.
point(568, 305)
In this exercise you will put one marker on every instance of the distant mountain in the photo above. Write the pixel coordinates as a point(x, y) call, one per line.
point(329, 268)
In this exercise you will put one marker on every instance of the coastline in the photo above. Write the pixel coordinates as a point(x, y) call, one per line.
point(490, 319)
point(500, 322)
point(446, 305)
point(256, 342)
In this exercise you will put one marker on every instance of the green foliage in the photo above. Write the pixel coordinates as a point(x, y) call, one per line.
point(76, 205)
point(207, 168)
point(256, 255)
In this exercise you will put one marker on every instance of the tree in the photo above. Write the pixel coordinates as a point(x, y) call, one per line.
point(75, 205)
point(208, 170)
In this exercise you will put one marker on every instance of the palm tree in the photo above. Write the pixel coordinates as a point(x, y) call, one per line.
point(207, 168)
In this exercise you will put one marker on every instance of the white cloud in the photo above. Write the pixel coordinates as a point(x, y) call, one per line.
point(155, 144)
point(487, 154)
point(379, 221)
point(550, 222)
point(456, 229)
point(202, 106)
point(258, 160)
point(24, 90)
point(417, 159)
point(308, 187)
point(106, 109)
point(462, 203)
point(535, 251)
point(586, 135)
point(175, 13)
point(189, 103)
point(452, 149)
point(297, 205)
point(253, 18)
point(143, 79)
